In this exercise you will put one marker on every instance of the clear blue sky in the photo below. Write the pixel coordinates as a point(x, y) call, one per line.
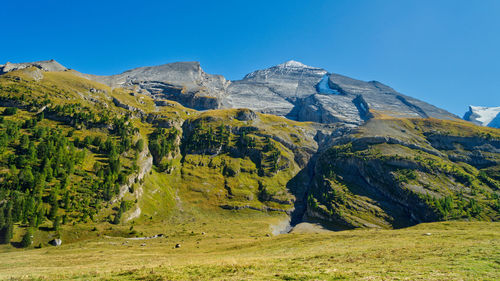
point(443, 52)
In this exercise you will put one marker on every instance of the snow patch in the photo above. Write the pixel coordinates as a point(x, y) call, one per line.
point(292, 63)
point(486, 114)
point(324, 88)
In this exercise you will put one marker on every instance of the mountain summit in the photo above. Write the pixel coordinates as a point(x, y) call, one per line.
point(292, 63)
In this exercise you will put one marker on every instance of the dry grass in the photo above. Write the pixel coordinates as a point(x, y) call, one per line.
point(235, 247)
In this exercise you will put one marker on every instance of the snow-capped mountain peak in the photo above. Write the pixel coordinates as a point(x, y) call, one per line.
point(289, 68)
point(294, 64)
point(484, 116)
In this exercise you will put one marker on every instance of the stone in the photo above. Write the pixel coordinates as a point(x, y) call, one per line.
point(245, 114)
point(56, 242)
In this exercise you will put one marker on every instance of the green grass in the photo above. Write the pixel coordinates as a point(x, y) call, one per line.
point(157, 199)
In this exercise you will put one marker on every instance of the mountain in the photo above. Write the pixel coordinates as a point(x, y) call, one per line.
point(484, 116)
point(306, 93)
point(398, 172)
point(173, 145)
point(291, 89)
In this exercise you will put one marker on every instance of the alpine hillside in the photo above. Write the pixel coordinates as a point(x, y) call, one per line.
point(83, 155)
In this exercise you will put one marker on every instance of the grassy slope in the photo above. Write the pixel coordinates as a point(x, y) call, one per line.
point(201, 186)
point(346, 192)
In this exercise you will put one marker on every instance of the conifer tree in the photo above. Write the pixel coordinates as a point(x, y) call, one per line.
point(27, 238)
point(56, 223)
point(2, 218)
point(54, 208)
point(118, 216)
point(7, 229)
point(40, 216)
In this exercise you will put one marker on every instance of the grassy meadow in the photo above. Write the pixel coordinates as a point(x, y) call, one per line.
point(237, 245)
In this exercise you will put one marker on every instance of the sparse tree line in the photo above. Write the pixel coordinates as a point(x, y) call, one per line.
point(212, 139)
point(73, 114)
point(207, 138)
point(161, 143)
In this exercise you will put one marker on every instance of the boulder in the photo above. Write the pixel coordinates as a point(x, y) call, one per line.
point(56, 242)
point(246, 115)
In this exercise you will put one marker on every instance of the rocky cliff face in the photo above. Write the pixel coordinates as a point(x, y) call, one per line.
point(275, 90)
point(184, 82)
point(484, 116)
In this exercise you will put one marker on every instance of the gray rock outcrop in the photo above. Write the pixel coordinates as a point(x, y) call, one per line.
point(290, 89)
point(184, 82)
point(46, 65)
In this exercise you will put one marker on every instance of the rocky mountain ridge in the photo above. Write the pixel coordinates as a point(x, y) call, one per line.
point(291, 89)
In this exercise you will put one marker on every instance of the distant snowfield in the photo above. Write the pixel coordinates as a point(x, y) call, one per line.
point(486, 114)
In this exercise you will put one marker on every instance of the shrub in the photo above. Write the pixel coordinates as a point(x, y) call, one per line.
point(139, 145)
point(10, 111)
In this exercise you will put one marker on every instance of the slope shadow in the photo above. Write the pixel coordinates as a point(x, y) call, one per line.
point(299, 186)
